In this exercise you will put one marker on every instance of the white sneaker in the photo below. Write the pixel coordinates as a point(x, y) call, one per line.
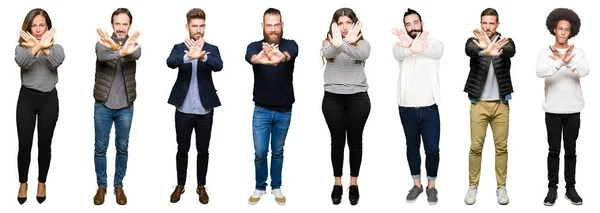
point(279, 198)
point(256, 196)
point(502, 195)
point(471, 194)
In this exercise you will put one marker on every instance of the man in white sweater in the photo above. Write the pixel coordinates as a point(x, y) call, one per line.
point(561, 66)
point(418, 95)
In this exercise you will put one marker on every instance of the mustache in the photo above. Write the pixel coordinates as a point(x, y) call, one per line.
point(415, 31)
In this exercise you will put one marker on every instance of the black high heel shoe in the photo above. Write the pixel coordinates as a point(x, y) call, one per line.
point(336, 194)
point(353, 195)
point(22, 199)
point(41, 199)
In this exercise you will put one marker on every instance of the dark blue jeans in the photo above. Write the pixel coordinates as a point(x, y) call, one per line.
point(422, 122)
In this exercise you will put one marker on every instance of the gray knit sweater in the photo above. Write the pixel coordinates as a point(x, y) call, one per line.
point(39, 72)
point(346, 75)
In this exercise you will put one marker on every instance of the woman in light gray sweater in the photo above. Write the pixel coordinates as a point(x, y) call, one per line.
point(39, 57)
point(346, 104)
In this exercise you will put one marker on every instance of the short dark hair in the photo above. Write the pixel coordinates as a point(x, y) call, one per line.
point(28, 21)
point(491, 12)
point(410, 12)
point(563, 14)
point(195, 13)
point(121, 11)
point(272, 11)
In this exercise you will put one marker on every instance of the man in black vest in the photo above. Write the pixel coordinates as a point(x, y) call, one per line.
point(114, 92)
point(489, 88)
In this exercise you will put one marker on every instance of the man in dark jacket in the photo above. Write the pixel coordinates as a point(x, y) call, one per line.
point(489, 88)
point(194, 96)
point(114, 92)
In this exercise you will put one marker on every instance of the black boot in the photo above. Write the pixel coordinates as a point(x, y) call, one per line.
point(336, 194)
point(353, 195)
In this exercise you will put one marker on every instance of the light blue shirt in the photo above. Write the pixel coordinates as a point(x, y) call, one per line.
point(192, 103)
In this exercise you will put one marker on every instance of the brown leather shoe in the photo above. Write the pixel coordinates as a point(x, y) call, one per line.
point(176, 195)
point(99, 197)
point(202, 196)
point(120, 195)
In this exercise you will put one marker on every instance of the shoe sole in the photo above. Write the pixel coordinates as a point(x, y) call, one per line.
point(574, 203)
point(411, 201)
point(432, 203)
point(252, 203)
point(549, 203)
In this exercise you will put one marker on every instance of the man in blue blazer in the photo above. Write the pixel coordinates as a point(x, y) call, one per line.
point(194, 95)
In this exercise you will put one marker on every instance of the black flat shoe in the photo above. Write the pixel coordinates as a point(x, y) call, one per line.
point(336, 194)
point(353, 195)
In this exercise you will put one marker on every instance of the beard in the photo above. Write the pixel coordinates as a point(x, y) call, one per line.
point(414, 31)
point(267, 37)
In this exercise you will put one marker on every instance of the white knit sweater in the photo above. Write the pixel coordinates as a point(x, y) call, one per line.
point(419, 75)
point(562, 87)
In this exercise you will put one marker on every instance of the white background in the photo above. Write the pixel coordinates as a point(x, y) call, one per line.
point(307, 174)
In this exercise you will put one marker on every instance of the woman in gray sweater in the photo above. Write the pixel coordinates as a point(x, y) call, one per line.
point(346, 104)
point(39, 57)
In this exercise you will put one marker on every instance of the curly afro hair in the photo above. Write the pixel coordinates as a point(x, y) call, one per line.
point(563, 14)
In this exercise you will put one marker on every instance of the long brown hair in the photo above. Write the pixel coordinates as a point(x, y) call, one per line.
point(336, 16)
point(27, 22)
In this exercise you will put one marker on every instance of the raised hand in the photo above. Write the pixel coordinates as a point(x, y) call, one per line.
point(335, 38)
point(130, 45)
point(405, 39)
point(354, 33)
point(273, 53)
point(47, 39)
point(105, 40)
point(420, 43)
point(482, 39)
point(195, 48)
point(28, 40)
point(566, 57)
point(495, 47)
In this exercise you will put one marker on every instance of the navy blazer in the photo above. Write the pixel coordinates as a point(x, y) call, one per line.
point(206, 88)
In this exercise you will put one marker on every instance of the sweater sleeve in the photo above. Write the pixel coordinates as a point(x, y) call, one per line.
point(434, 49)
point(400, 53)
point(547, 66)
point(579, 64)
point(329, 51)
point(56, 57)
point(23, 57)
point(358, 53)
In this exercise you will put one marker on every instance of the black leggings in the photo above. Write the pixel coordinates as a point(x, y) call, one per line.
point(346, 115)
point(45, 105)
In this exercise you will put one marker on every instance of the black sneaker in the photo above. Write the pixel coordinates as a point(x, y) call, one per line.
point(353, 195)
point(550, 197)
point(572, 196)
point(336, 194)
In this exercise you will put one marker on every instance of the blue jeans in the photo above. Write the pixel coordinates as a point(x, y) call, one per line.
point(268, 126)
point(422, 122)
point(103, 121)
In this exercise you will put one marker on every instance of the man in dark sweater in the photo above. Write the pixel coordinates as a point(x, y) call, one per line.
point(272, 61)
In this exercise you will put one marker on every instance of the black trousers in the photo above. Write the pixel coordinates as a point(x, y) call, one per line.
point(184, 125)
point(346, 115)
point(568, 125)
point(43, 106)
